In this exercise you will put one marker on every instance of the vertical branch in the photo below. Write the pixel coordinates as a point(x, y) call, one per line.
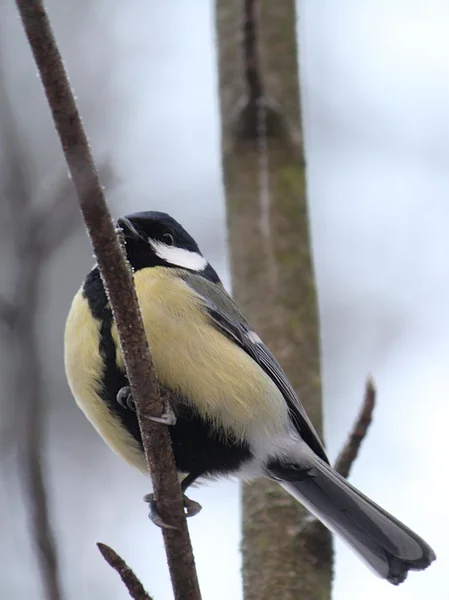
point(30, 391)
point(7, 313)
point(270, 251)
point(118, 281)
point(251, 63)
point(19, 325)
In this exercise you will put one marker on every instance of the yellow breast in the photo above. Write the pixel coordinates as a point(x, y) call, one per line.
point(193, 358)
point(84, 367)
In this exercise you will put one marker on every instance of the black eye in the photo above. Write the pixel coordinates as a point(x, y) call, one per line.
point(167, 238)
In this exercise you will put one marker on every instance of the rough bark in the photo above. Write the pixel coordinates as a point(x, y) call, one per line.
point(285, 554)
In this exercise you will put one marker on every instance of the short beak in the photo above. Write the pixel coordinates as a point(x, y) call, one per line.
point(128, 228)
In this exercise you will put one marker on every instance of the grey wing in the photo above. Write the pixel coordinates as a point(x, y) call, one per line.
point(226, 316)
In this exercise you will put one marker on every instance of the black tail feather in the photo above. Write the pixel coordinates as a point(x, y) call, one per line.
point(390, 548)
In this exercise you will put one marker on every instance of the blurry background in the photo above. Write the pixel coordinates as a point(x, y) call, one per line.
point(375, 84)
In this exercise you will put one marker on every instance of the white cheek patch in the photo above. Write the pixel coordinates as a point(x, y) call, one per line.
point(253, 337)
point(179, 256)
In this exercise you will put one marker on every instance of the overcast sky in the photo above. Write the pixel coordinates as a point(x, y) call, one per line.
point(375, 81)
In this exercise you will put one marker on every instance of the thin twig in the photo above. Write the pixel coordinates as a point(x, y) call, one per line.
point(351, 449)
point(26, 359)
point(119, 285)
point(132, 583)
point(32, 468)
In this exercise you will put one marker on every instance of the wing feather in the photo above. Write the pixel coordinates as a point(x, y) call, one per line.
point(226, 316)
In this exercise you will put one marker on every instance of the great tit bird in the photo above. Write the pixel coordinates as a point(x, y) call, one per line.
point(236, 412)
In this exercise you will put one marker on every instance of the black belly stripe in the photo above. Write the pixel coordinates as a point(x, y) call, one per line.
point(198, 447)
point(112, 378)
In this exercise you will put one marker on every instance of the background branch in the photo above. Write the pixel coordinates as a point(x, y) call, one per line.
point(351, 449)
point(7, 312)
point(15, 180)
point(251, 62)
point(119, 284)
point(270, 252)
point(132, 583)
point(55, 220)
point(19, 314)
point(30, 390)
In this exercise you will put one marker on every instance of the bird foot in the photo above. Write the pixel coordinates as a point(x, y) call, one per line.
point(125, 399)
point(191, 508)
point(167, 417)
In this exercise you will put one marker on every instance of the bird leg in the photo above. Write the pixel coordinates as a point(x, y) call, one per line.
point(125, 399)
point(191, 507)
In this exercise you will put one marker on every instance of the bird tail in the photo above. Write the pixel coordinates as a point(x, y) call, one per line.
point(390, 548)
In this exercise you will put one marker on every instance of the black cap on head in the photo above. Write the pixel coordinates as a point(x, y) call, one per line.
point(158, 226)
point(156, 239)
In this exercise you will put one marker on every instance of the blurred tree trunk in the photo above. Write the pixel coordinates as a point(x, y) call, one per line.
point(285, 555)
